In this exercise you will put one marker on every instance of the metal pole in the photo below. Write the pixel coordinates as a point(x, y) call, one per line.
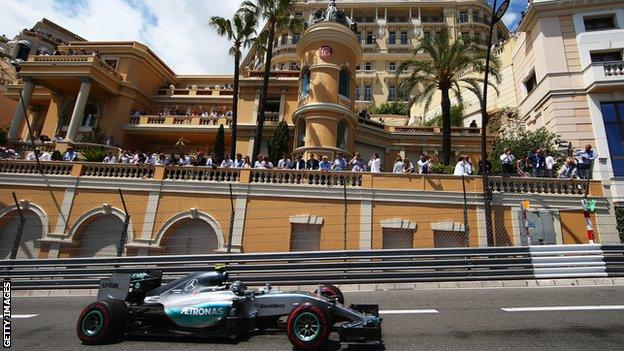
point(20, 229)
point(30, 134)
point(466, 228)
point(232, 213)
point(586, 215)
point(124, 231)
point(487, 192)
point(344, 183)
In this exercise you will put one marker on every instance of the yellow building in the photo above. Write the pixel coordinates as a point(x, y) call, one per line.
point(74, 209)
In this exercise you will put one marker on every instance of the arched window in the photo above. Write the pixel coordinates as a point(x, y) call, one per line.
point(301, 133)
point(91, 115)
point(344, 88)
point(305, 83)
point(342, 137)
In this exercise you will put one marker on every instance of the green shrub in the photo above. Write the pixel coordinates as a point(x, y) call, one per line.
point(522, 142)
point(278, 144)
point(94, 154)
point(442, 169)
point(96, 136)
point(457, 118)
point(390, 108)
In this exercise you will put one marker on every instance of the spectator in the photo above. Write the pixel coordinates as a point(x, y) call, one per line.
point(538, 163)
point(239, 162)
point(473, 124)
point(125, 157)
point(70, 155)
point(325, 165)
point(227, 162)
point(258, 163)
point(398, 165)
point(550, 164)
point(507, 159)
point(247, 162)
point(140, 158)
point(586, 162)
point(375, 163)
point(200, 160)
point(284, 162)
point(161, 160)
point(110, 158)
point(299, 163)
point(408, 167)
point(354, 161)
point(523, 167)
point(313, 163)
point(424, 164)
point(57, 138)
point(266, 164)
point(463, 167)
point(3, 153)
point(56, 156)
point(340, 164)
point(570, 170)
point(358, 164)
point(485, 166)
point(183, 160)
point(33, 155)
point(12, 155)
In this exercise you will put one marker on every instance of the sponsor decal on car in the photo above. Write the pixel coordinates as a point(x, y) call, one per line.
point(198, 315)
point(203, 311)
point(273, 305)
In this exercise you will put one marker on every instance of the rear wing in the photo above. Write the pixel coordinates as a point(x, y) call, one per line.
point(129, 286)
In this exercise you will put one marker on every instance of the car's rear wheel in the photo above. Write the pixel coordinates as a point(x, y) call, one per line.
point(102, 321)
point(331, 292)
point(308, 327)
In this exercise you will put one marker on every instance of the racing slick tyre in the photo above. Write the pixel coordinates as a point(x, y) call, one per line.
point(331, 292)
point(308, 327)
point(102, 321)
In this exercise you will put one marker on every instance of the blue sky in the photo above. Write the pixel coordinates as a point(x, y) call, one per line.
point(176, 30)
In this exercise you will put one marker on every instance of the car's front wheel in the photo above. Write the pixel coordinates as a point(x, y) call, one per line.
point(102, 321)
point(308, 327)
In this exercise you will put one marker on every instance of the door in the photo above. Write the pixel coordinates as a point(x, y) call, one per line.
point(542, 228)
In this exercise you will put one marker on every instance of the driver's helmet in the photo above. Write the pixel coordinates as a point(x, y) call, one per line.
point(238, 287)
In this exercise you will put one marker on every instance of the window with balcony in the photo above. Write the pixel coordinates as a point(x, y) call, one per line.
point(392, 66)
point(613, 117)
point(370, 39)
point(368, 93)
point(294, 66)
point(463, 17)
point(368, 66)
point(530, 83)
point(602, 22)
point(606, 56)
point(295, 38)
point(305, 84)
point(392, 38)
point(404, 38)
point(281, 66)
point(344, 87)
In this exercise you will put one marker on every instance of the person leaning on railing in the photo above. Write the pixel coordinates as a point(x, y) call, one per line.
point(570, 170)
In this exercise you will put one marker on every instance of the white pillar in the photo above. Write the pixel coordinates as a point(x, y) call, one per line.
point(78, 113)
point(22, 109)
point(282, 105)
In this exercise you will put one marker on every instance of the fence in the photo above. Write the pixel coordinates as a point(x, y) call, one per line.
point(76, 210)
point(339, 267)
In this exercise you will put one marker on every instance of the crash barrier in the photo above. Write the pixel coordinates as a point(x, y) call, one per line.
point(338, 267)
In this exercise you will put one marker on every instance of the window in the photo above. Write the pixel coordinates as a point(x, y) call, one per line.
point(463, 17)
point(295, 38)
point(284, 40)
point(359, 37)
point(90, 117)
point(392, 38)
point(606, 56)
point(404, 38)
point(369, 38)
point(613, 117)
point(305, 84)
point(368, 66)
point(602, 22)
point(342, 137)
point(392, 66)
point(344, 87)
point(368, 93)
point(530, 83)
point(392, 93)
point(301, 133)
point(294, 66)
point(357, 93)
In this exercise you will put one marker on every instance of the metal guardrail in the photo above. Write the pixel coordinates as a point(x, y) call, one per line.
point(338, 267)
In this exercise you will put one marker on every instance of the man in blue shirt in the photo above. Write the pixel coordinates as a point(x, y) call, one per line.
point(70, 155)
point(340, 163)
point(325, 165)
point(538, 163)
point(585, 161)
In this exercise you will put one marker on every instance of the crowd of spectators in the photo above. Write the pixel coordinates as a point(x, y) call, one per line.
point(189, 113)
point(542, 164)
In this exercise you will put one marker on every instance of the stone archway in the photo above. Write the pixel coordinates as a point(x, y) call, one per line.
point(97, 233)
point(35, 228)
point(190, 233)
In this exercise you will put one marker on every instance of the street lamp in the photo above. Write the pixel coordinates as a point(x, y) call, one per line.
point(497, 15)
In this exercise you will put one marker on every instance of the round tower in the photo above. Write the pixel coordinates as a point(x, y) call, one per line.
point(328, 54)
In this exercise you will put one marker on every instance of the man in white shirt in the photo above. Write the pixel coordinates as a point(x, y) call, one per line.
point(398, 165)
point(507, 161)
point(463, 167)
point(110, 158)
point(375, 163)
point(424, 164)
point(550, 164)
point(227, 162)
point(284, 162)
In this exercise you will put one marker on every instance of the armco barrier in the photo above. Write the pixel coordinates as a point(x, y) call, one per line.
point(339, 267)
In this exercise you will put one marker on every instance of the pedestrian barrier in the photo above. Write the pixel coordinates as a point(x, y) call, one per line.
point(338, 267)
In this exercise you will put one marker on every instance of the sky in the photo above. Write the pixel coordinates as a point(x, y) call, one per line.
point(176, 30)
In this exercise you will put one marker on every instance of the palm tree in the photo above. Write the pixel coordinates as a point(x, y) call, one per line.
point(279, 15)
point(239, 30)
point(453, 66)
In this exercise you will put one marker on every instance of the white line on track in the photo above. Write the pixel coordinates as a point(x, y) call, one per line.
point(564, 308)
point(425, 311)
point(21, 316)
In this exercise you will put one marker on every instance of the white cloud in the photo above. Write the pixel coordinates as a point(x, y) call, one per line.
point(511, 19)
point(177, 31)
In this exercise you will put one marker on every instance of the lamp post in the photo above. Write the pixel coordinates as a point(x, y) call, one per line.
point(497, 15)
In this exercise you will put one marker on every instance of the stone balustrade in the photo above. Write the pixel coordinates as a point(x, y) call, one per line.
point(179, 120)
point(614, 69)
point(381, 181)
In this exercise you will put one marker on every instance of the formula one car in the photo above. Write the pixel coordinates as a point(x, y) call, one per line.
point(205, 304)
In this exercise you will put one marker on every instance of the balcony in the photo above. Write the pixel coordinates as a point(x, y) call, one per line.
point(201, 92)
point(285, 49)
point(400, 48)
point(271, 118)
point(603, 76)
point(189, 123)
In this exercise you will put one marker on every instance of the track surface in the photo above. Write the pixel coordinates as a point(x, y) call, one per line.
point(584, 318)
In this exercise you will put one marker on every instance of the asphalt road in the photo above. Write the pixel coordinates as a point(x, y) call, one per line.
point(449, 319)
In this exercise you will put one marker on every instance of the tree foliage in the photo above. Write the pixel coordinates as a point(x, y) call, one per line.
point(219, 146)
point(278, 144)
point(96, 136)
point(619, 216)
point(457, 118)
point(390, 108)
point(94, 154)
point(524, 142)
point(455, 66)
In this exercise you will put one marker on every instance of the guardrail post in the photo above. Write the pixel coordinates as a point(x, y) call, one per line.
point(124, 231)
point(232, 213)
point(20, 229)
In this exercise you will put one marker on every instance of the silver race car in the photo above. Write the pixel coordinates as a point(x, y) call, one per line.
point(205, 304)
